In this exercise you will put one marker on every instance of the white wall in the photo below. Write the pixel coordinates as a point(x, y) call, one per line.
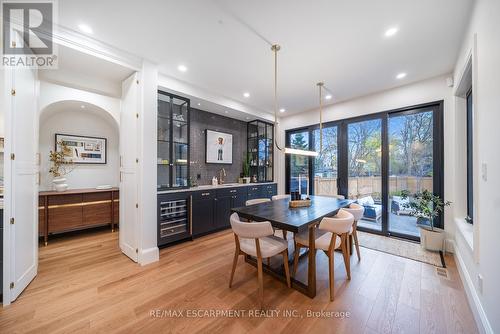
point(51, 93)
point(430, 90)
point(483, 259)
point(77, 121)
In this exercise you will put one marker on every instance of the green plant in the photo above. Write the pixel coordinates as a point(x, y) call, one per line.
point(246, 165)
point(424, 204)
point(59, 159)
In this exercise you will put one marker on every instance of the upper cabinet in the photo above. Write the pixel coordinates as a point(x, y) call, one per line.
point(173, 141)
point(260, 150)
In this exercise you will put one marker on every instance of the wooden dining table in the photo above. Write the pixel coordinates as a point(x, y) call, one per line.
point(295, 220)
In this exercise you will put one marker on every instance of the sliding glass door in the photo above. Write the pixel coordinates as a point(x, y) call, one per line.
point(326, 163)
point(365, 170)
point(299, 165)
point(411, 165)
point(372, 160)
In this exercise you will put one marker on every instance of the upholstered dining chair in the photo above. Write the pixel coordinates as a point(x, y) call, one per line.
point(333, 233)
point(277, 232)
point(357, 211)
point(256, 201)
point(257, 240)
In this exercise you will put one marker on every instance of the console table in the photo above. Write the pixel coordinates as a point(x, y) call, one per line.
point(76, 209)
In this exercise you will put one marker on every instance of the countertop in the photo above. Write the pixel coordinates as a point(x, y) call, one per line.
point(76, 191)
point(211, 187)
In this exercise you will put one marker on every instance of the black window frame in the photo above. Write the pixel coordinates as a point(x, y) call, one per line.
point(438, 154)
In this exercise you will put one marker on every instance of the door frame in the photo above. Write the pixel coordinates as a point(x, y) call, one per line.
point(342, 156)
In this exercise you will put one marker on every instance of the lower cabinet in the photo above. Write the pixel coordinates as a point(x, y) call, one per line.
point(203, 212)
point(210, 210)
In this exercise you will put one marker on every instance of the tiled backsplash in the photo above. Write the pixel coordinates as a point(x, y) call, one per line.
point(201, 121)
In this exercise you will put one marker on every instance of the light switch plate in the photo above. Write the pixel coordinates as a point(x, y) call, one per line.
point(484, 171)
point(480, 283)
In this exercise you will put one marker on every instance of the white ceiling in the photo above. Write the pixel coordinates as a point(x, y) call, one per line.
point(84, 71)
point(339, 42)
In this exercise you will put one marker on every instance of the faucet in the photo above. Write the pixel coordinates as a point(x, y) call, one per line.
point(222, 174)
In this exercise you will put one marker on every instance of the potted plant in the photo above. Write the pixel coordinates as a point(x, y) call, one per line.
point(246, 169)
point(426, 207)
point(61, 165)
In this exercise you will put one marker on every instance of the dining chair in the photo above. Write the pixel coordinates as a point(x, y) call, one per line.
point(277, 232)
point(256, 201)
point(278, 197)
point(357, 211)
point(332, 233)
point(257, 240)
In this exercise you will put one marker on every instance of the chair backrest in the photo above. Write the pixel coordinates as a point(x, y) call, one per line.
point(356, 210)
point(277, 197)
point(257, 201)
point(250, 230)
point(339, 224)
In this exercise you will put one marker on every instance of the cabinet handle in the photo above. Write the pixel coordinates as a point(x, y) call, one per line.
point(232, 191)
point(205, 194)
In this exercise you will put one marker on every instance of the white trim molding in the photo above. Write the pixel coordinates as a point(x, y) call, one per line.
point(482, 322)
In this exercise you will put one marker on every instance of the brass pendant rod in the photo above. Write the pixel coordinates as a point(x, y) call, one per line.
point(275, 48)
point(320, 86)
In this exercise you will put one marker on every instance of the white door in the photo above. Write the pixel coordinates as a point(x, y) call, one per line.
point(129, 126)
point(20, 174)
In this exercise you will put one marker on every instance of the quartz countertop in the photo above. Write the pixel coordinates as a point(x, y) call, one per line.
point(211, 187)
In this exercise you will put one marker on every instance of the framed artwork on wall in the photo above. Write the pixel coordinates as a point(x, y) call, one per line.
point(218, 147)
point(84, 150)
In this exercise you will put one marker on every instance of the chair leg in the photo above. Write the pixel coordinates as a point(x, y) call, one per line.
point(331, 274)
point(284, 234)
point(345, 252)
point(235, 262)
point(296, 254)
point(356, 243)
point(268, 260)
point(261, 282)
point(287, 269)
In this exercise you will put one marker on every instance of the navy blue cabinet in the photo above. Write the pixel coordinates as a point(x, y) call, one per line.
point(186, 214)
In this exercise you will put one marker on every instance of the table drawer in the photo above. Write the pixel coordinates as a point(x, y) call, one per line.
point(203, 194)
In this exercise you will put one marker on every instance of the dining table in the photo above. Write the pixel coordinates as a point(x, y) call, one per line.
point(295, 220)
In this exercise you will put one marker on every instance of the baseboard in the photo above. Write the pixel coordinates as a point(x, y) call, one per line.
point(472, 296)
point(149, 255)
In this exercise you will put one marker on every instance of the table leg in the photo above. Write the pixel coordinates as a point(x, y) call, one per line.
point(311, 269)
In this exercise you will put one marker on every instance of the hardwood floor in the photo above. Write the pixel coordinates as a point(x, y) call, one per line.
point(85, 284)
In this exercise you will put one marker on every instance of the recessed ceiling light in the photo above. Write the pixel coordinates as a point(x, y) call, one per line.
point(182, 68)
point(247, 117)
point(82, 106)
point(328, 97)
point(199, 104)
point(391, 32)
point(85, 28)
point(246, 94)
point(282, 110)
point(401, 75)
point(227, 112)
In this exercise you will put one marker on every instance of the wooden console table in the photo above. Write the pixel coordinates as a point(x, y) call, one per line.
point(76, 209)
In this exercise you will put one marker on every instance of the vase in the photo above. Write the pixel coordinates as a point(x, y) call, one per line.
point(60, 184)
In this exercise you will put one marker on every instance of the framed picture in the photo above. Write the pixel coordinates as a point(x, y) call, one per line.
point(218, 147)
point(84, 150)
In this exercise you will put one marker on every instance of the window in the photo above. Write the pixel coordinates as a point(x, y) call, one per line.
point(470, 188)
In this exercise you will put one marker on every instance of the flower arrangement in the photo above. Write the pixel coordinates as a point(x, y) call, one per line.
point(61, 165)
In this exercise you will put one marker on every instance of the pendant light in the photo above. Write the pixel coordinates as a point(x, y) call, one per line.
point(275, 48)
point(320, 89)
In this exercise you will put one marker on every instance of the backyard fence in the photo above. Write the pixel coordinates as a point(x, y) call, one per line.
point(372, 185)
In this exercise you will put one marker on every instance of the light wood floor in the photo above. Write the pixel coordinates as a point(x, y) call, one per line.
point(85, 284)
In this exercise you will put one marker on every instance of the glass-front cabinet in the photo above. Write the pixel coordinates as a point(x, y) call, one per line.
point(173, 141)
point(260, 150)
